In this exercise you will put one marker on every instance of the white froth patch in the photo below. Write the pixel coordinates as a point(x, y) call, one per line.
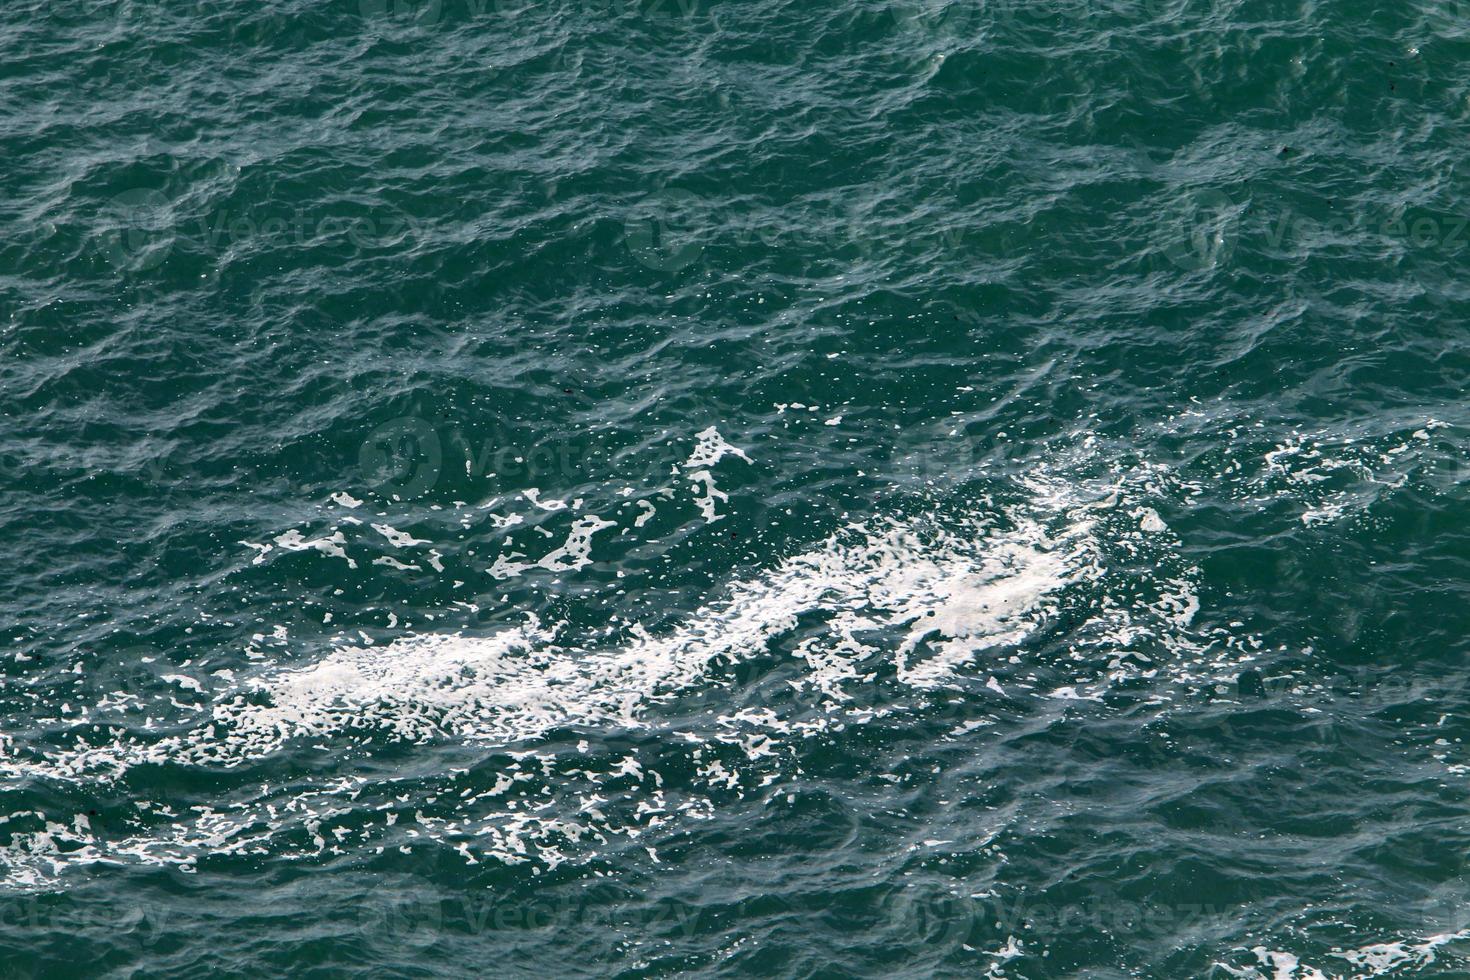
point(261, 550)
point(39, 849)
point(397, 538)
point(946, 603)
point(706, 503)
point(521, 683)
point(1150, 521)
point(333, 545)
point(534, 496)
point(711, 449)
point(957, 593)
point(1338, 474)
point(962, 610)
point(1325, 514)
point(574, 554)
point(966, 596)
point(1374, 960)
point(1380, 958)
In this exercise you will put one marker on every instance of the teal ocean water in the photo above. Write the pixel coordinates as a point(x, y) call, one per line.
point(734, 488)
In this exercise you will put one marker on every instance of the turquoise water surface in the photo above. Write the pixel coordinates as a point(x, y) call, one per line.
point(734, 488)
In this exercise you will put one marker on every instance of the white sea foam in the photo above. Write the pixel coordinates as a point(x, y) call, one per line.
point(397, 538)
point(935, 601)
point(333, 544)
point(711, 449)
point(1373, 960)
point(956, 593)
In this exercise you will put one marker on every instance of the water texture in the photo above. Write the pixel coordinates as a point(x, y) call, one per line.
point(644, 488)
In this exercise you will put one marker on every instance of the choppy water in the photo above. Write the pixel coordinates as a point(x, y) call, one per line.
point(734, 488)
